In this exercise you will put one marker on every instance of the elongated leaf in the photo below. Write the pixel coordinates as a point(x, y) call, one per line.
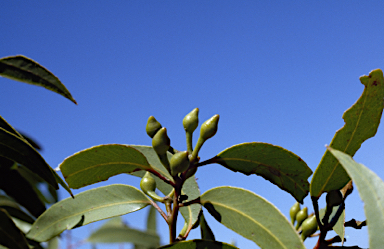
point(190, 188)
point(120, 234)
point(4, 124)
point(23, 69)
point(199, 244)
point(98, 163)
point(13, 209)
point(361, 122)
point(277, 165)
point(371, 191)
point(152, 220)
point(10, 235)
point(252, 217)
point(89, 206)
point(18, 150)
point(206, 232)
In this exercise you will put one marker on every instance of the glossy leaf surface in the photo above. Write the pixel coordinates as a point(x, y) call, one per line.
point(23, 69)
point(88, 206)
point(361, 122)
point(371, 191)
point(275, 164)
point(252, 217)
point(10, 235)
point(199, 244)
point(114, 231)
point(98, 163)
point(18, 150)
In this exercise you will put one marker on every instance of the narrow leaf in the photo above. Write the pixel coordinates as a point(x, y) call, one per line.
point(98, 163)
point(275, 164)
point(121, 234)
point(23, 69)
point(18, 150)
point(88, 206)
point(13, 209)
point(151, 220)
point(252, 217)
point(361, 122)
point(339, 226)
point(10, 235)
point(199, 244)
point(206, 232)
point(371, 191)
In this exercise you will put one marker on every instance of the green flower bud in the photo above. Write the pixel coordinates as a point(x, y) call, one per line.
point(301, 216)
point(209, 128)
point(148, 183)
point(334, 198)
point(191, 121)
point(179, 162)
point(161, 141)
point(308, 227)
point(293, 212)
point(152, 127)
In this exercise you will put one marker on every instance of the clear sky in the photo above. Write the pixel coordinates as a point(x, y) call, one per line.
point(281, 72)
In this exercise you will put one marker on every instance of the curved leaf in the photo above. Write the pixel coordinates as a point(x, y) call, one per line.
point(119, 233)
point(205, 230)
point(371, 191)
point(88, 206)
point(277, 165)
point(339, 226)
point(361, 122)
point(23, 69)
point(198, 244)
point(98, 163)
point(252, 217)
point(18, 150)
point(151, 220)
point(10, 235)
point(14, 209)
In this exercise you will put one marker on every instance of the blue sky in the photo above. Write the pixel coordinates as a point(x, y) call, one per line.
point(280, 72)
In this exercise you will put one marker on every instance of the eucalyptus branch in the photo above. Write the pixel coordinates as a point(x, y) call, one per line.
point(159, 209)
point(187, 203)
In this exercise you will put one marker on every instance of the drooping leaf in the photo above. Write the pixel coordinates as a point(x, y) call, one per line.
point(371, 191)
point(361, 122)
point(4, 124)
point(206, 232)
point(339, 226)
point(190, 188)
point(88, 206)
point(15, 186)
point(10, 235)
point(119, 233)
point(31, 141)
point(252, 217)
point(199, 244)
point(61, 182)
point(18, 150)
point(98, 163)
point(151, 220)
point(23, 69)
point(277, 165)
point(13, 209)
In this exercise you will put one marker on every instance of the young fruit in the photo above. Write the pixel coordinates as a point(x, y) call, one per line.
point(334, 198)
point(293, 211)
point(153, 126)
point(179, 162)
point(308, 227)
point(147, 183)
point(161, 141)
point(209, 128)
point(301, 216)
point(191, 121)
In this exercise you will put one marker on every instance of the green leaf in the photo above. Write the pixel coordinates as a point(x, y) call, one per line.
point(252, 217)
point(23, 69)
point(275, 164)
point(198, 244)
point(88, 206)
point(4, 124)
point(151, 220)
point(18, 150)
point(14, 209)
point(339, 226)
point(10, 235)
point(98, 163)
point(371, 191)
point(114, 231)
point(206, 232)
point(191, 213)
point(361, 122)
